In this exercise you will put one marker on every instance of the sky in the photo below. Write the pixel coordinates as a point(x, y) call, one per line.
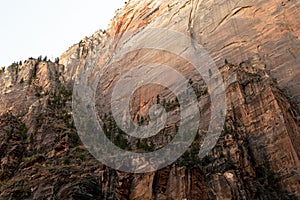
point(30, 28)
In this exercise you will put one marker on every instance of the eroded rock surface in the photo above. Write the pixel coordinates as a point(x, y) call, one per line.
point(257, 155)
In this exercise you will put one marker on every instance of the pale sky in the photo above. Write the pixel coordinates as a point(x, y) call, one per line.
point(30, 28)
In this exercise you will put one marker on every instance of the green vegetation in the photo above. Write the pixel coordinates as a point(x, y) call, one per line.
point(38, 91)
point(266, 174)
point(230, 165)
point(66, 160)
point(21, 191)
point(201, 91)
point(114, 133)
point(59, 97)
point(74, 138)
point(206, 160)
point(56, 60)
point(190, 82)
point(157, 99)
point(142, 144)
point(191, 157)
point(39, 58)
point(22, 81)
point(210, 73)
point(33, 73)
point(23, 130)
point(228, 130)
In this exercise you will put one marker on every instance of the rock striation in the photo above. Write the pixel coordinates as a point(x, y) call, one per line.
point(255, 45)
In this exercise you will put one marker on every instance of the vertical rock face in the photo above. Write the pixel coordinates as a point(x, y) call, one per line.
point(257, 154)
point(234, 30)
point(261, 113)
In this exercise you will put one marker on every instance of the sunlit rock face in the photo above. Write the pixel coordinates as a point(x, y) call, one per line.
point(267, 31)
point(255, 46)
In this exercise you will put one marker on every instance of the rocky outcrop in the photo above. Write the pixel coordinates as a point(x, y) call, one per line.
point(264, 30)
point(256, 156)
point(234, 30)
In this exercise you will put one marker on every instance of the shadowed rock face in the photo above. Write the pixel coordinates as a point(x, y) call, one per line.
point(257, 155)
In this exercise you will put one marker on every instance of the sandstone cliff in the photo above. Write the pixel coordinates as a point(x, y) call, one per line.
point(257, 155)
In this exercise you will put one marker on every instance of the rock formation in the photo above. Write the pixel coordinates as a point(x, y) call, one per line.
point(255, 45)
